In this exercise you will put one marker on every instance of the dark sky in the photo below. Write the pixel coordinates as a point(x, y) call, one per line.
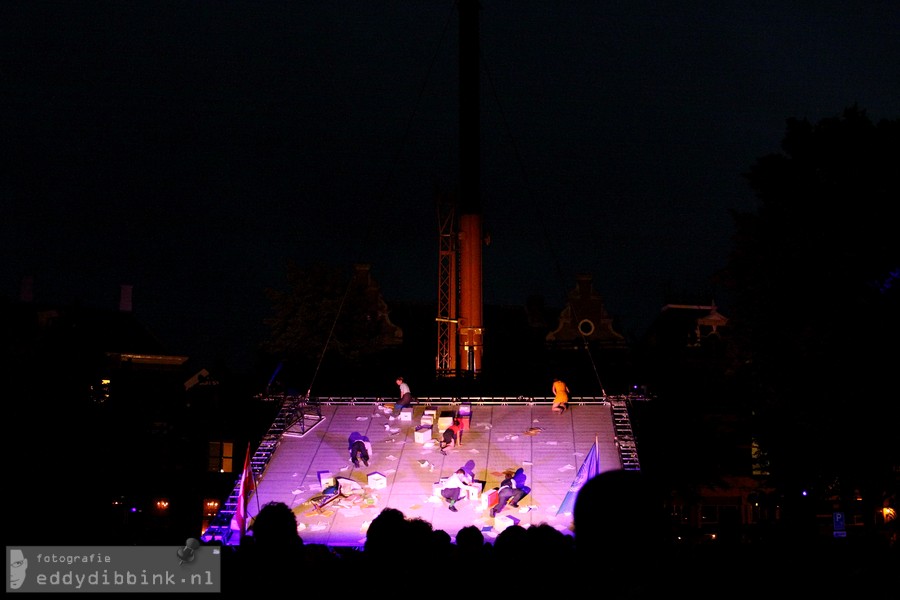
point(191, 149)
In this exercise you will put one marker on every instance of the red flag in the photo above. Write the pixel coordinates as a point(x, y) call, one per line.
point(247, 487)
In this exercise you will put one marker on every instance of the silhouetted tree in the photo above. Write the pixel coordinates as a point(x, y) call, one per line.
point(815, 272)
point(303, 316)
point(329, 314)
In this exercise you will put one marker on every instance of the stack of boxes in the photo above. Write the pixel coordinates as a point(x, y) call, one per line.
point(445, 421)
point(465, 416)
point(425, 431)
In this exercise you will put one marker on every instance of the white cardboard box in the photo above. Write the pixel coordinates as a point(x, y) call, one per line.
point(424, 433)
point(406, 414)
point(501, 522)
point(445, 420)
point(326, 479)
point(377, 481)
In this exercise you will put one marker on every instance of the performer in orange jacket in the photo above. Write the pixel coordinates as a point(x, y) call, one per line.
point(560, 396)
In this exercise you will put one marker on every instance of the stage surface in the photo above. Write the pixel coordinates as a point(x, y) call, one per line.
point(404, 466)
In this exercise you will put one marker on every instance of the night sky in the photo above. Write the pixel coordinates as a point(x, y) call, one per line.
point(191, 149)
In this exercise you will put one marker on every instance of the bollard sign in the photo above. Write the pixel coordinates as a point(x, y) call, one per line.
point(838, 520)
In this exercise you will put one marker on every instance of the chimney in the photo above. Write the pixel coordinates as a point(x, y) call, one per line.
point(125, 298)
point(584, 284)
point(26, 292)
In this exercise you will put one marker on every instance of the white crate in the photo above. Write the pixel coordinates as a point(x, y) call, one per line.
point(326, 479)
point(445, 420)
point(424, 433)
point(377, 481)
point(501, 522)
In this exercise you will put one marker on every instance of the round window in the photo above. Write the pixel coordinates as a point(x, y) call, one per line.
point(586, 327)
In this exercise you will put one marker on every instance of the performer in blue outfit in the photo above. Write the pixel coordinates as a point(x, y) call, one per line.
point(512, 489)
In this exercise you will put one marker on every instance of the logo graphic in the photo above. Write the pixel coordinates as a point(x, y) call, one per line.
point(18, 564)
point(186, 554)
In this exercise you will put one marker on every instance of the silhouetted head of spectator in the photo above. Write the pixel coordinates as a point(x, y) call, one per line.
point(387, 534)
point(469, 539)
point(420, 532)
point(619, 513)
point(509, 546)
point(546, 543)
point(275, 527)
point(441, 541)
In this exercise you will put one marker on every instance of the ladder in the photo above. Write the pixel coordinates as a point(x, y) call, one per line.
point(625, 439)
point(220, 527)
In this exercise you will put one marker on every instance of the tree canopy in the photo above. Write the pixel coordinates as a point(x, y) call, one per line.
point(332, 318)
point(815, 273)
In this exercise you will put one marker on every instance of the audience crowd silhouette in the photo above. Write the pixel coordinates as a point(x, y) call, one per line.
point(622, 548)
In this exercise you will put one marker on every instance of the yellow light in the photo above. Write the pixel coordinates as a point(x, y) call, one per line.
point(162, 504)
point(888, 513)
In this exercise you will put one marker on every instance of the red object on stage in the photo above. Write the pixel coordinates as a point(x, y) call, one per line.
point(247, 487)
